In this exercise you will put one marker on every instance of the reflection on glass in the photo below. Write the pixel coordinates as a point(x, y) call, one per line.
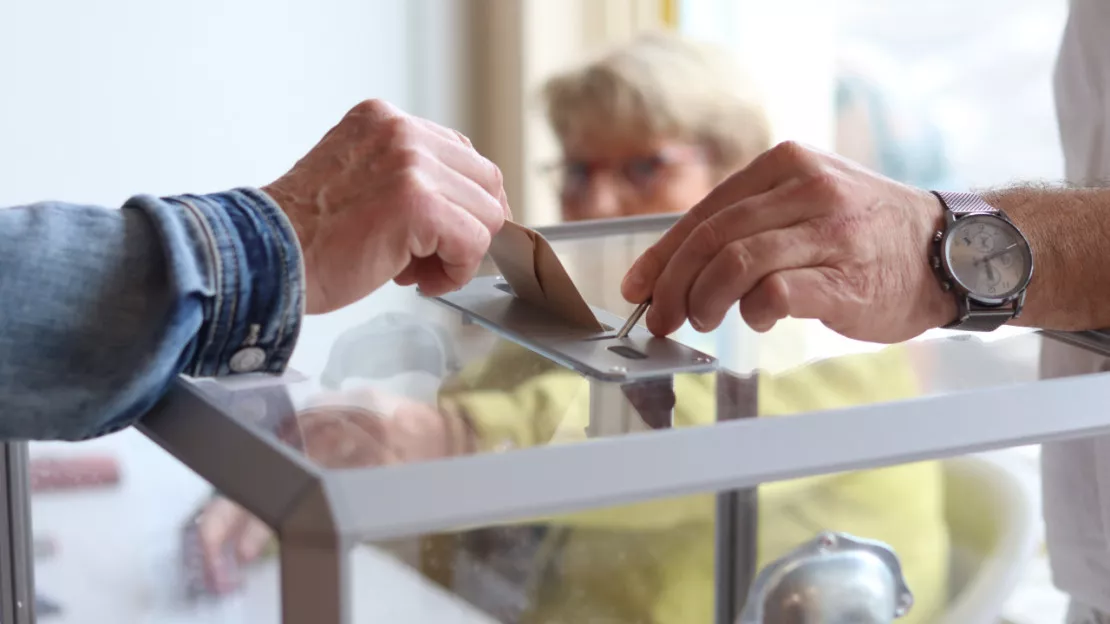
point(646, 562)
point(654, 561)
point(414, 384)
point(115, 540)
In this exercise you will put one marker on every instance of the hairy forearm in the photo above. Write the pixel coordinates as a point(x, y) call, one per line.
point(1069, 232)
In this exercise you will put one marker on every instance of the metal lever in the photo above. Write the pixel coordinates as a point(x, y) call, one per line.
point(632, 320)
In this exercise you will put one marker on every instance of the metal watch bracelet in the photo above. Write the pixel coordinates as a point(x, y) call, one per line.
point(970, 315)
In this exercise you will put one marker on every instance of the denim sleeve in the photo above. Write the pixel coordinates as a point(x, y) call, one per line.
point(101, 309)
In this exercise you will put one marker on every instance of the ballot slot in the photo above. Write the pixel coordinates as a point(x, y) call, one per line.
point(595, 353)
point(627, 352)
point(608, 335)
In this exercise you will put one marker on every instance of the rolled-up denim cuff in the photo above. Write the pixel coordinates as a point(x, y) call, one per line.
point(252, 322)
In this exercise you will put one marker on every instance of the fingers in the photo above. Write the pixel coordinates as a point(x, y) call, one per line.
point(428, 275)
point(739, 267)
point(452, 235)
point(767, 171)
point(452, 242)
point(448, 147)
point(470, 181)
point(448, 248)
point(407, 276)
point(773, 210)
point(478, 171)
point(455, 150)
point(800, 293)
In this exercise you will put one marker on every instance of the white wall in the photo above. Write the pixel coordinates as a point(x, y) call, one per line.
point(101, 100)
point(784, 45)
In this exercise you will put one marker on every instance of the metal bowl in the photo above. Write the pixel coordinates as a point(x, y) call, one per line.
point(834, 579)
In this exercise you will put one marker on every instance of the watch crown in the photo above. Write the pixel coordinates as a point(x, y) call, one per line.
point(938, 236)
point(935, 261)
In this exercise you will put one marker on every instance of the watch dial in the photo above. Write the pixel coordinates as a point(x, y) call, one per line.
point(988, 257)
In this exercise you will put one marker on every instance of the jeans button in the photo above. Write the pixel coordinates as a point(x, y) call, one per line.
point(247, 360)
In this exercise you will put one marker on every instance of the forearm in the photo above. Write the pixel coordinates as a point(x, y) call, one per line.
point(101, 309)
point(1068, 230)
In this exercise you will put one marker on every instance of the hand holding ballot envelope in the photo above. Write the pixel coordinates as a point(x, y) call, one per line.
point(386, 195)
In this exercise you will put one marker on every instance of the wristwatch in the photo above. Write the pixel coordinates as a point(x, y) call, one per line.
point(983, 259)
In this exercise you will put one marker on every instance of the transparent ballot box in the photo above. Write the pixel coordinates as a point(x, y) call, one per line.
point(471, 458)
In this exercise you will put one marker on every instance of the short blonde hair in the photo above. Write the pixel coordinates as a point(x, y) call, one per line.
point(664, 85)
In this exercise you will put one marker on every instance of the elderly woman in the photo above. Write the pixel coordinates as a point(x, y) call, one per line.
point(649, 128)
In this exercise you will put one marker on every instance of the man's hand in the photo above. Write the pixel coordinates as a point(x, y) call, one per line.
point(385, 195)
point(804, 234)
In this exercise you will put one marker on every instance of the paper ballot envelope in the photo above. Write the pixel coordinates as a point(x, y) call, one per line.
point(530, 266)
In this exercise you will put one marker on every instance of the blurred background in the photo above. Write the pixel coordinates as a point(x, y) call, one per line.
point(103, 100)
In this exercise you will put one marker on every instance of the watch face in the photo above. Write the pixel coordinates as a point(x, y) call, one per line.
point(988, 257)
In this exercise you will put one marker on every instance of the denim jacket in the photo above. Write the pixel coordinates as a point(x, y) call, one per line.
point(101, 309)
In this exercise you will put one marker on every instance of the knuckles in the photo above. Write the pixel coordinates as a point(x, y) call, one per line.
point(399, 134)
point(829, 187)
point(739, 258)
point(705, 238)
point(792, 154)
point(410, 180)
point(408, 157)
point(375, 108)
point(404, 144)
point(404, 157)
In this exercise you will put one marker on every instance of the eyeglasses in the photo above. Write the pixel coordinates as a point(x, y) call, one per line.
point(640, 174)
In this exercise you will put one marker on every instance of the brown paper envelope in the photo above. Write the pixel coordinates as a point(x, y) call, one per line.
point(530, 266)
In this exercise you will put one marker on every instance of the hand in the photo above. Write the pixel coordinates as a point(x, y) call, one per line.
point(385, 195)
point(340, 431)
point(804, 234)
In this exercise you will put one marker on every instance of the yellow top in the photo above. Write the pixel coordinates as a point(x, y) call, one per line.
point(653, 561)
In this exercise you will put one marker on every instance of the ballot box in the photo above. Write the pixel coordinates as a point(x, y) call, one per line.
point(484, 457)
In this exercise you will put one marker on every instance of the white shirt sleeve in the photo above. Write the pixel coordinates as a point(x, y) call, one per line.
point(1076, 473)
point(1081, 81)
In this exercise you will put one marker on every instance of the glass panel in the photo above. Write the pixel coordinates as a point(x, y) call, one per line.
point(116, 541)
point(973, 552)
point(651, 562)
point(397, 378)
